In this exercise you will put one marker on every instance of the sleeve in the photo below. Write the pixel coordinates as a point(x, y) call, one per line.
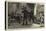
point(22, 11)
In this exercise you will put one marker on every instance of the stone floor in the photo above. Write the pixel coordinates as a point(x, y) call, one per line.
point(17, 26)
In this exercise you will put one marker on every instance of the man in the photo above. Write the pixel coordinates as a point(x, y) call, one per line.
point(25, 16)
point(41, 18)
point(28, 16)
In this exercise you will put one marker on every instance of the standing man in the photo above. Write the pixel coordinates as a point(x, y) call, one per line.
point(25, 16)
point(31, 17)
point(41, 19)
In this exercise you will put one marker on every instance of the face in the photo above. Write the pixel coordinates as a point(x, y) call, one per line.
point(40, 14)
